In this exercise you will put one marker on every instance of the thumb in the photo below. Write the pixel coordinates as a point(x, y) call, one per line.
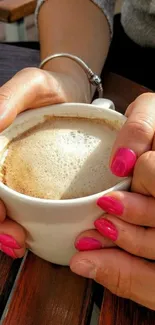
point(29, 88)
point(123, 274)
point(136, 135)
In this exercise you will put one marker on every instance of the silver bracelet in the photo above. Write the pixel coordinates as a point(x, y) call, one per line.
point(94, 79)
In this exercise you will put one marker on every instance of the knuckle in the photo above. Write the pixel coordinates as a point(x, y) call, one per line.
point(6, 92)
point(29, 70)
point(122, 286)
point(140, 247)
point(145, 163)
point(38, 75)
point(124, 283)
point(117, 274)
point(147, 95)
point(144, 174)
point(108, 277)
point(35, 77)
point(141, 128)
point(148, 158)
point(103, 276)
point(115, 281)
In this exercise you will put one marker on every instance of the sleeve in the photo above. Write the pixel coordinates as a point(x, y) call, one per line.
point(39, 4)
point(107, 6)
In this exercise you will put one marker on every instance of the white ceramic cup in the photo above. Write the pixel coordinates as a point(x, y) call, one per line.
point(53, 225)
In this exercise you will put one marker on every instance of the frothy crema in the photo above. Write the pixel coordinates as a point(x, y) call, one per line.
point(61, 158)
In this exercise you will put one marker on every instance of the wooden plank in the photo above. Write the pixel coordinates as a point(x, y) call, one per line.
point(118, 311)
point(121, 90)
point(8, 272)
point(47, 294)
point(13, 10)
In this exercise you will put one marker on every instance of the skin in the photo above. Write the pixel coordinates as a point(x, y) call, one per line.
point(62, 80)
point(125, 271)
point(129, 272)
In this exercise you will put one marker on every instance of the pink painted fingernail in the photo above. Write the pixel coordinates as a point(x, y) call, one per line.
point(8, 251)
point(106, 228)
point(110, 205)
point(9, 241)
point(87, 244)
point(123, 162)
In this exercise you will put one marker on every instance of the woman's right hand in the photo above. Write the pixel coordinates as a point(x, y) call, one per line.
point(29, 89)
point(126, 268)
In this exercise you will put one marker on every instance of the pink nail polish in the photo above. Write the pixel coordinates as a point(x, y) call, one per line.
point(123, 162)
point(9, 241)
point(87, 244)
point(106, 228)
point(111, 205)
point(8, 251)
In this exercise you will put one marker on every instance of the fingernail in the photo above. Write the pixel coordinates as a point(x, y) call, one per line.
point(87, 244)
point(9, 241)
point(84, 268)
point(106, 228)
point(110, 205)
point(123, 162)
point(8, 251)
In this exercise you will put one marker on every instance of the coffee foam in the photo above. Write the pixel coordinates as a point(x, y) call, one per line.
point(61, 158)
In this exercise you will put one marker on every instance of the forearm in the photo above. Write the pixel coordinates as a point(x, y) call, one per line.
point(77, 27)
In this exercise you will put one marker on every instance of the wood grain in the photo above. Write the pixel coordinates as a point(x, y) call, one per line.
point(8, 272)
point(118, 311)
point(47, 294)
point(13, 10)
point(121, 90)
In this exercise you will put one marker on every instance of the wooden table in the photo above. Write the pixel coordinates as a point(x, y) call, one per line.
point(13, 12)
point(34, 292)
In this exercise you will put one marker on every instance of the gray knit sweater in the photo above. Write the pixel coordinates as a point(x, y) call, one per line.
point(138, 18)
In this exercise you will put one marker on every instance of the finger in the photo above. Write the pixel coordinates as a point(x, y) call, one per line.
point(92, 239)
point(144, 175)
point(133, 208)
point(134, 239)
point(12, 239)
point(129, 110)
point(136, 135)
point(123, 274)
point(29, 88)
point(2, 211)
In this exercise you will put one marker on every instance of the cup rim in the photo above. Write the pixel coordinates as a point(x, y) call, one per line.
point(31, 199)
point(40, 111)
point(86, 199)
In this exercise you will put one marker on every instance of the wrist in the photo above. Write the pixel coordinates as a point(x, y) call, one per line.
point(76, 80)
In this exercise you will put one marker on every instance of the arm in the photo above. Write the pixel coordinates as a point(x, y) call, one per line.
point(77, 27)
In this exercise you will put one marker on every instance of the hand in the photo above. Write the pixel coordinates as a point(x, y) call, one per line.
point(31, 88)
point(130, 222)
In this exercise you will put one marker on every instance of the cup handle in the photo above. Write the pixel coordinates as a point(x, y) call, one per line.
point(104, 103)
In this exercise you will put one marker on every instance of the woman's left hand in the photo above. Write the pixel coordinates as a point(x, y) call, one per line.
point(127, 268)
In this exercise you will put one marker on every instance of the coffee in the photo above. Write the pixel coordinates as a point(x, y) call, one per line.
point(61, 158)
